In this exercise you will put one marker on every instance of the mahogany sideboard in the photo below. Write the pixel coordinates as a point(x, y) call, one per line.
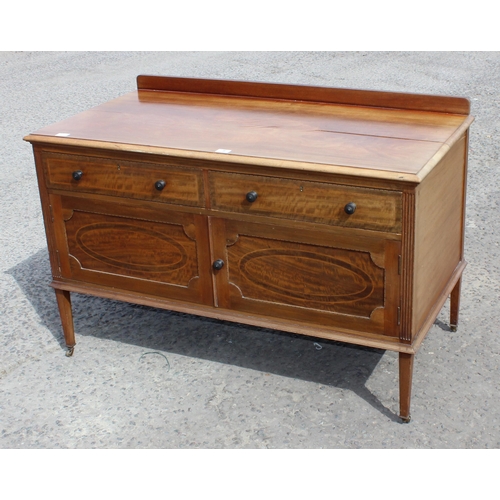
point(334, 213)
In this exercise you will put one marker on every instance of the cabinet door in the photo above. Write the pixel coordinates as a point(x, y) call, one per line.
point(131, 247)
point(340, 280)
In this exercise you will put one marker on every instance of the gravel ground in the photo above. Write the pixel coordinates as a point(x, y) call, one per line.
point(208, 384)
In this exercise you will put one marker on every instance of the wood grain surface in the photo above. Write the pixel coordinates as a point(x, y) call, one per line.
point(368, 136)
point(306, 201)
point(183, 186)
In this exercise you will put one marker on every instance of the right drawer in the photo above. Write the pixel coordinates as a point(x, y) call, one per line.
point(319, 202)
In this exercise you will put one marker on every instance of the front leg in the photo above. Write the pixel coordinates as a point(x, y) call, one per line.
point(405, 381)
point(64, 304)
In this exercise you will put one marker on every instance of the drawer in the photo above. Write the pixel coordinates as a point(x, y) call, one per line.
point(324, 203)
point(177, 185)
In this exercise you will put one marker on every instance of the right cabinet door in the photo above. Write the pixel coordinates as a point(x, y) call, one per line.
point(339, 280)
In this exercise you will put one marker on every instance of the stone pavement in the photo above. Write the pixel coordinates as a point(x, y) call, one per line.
point(146, 378)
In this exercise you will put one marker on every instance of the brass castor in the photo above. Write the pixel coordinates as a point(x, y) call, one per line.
point(453, 328)
point(405, 420)
point(70, 351)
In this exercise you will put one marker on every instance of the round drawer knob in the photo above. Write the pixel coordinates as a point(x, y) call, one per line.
point(77, 175)
point(251, 196)
point(350, 208)
point(218, 264)
point(159, 185)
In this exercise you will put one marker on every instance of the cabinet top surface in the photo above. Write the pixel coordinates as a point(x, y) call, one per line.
point(365, 133)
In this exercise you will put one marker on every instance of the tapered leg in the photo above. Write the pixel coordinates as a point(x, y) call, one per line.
point(64, 304)
point(405, 379)
point(455, 305)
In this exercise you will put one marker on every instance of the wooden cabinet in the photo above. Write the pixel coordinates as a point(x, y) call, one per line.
point(327, 212)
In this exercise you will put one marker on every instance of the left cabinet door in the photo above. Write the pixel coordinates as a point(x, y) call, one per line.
point(130, 246)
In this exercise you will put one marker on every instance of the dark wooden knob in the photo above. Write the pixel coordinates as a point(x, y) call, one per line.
point(77, 175)
point(251, 196)
point(350, 208)
point(218, 264)
point(159, 185)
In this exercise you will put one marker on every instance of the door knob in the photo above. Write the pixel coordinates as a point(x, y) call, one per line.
point(218, 264)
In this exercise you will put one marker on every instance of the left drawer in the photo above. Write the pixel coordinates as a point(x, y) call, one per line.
point(139, 180)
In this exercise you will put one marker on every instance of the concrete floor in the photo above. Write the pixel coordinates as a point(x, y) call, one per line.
point(146, 378)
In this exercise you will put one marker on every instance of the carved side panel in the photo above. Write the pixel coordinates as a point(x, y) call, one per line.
point(306, 276)
point(135, 248)
point(159, 253)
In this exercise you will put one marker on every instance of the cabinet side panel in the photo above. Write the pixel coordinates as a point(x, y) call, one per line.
point(47, 211)
point(440, 206)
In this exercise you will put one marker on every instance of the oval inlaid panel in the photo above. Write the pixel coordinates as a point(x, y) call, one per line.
point(106, 241)
point(306, 275)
